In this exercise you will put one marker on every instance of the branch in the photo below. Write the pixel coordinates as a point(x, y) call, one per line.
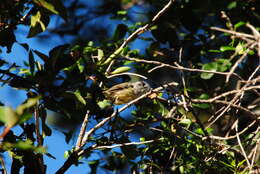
point(178, 67)
point(79, 152)
point(123, 144)
point(82, 131)
point(136, 33)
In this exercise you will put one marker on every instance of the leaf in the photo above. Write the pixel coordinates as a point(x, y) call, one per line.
point(7, 38)
point(121, 12)
point(120, 32)
point(79, 97)
point(121, 70)
point(41, 55)
point(232, 5)
point(240, 49)
point(31, 61)
point(76, 95)
point(47, 5)
point(8, 116)
point(39, 22)
point(185, 122)
point(100, 54)
point(104, 104)
point(239, 24)
point(210, 66)
point(227, 48)
point(93, 165)
point(28, 104)
point(25, 46)
point(202, 105)
point(223, 64)
point(204, 96)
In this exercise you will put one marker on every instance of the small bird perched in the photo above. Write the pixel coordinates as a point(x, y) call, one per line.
point(126, 92)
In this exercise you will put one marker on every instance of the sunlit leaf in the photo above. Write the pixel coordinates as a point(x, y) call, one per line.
point(121, 70)
point(47, 5)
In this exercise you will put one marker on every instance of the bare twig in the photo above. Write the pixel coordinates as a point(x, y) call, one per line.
point(136, 33)
point(232, 70)
point(3, 165)
point(127, 73)
point(82, 130)
point(38, 136)
point(241, 146)
point(124, 144)
point(178, 67)
point(238, 34)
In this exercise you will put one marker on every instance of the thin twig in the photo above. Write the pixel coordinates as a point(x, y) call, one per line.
point(238, 34)
point(124, 144)
point(3, 165)
point(127, 73)
point(82, 131)
point(241, 146)
point(178, 67)
point(232, 70)
point(38, 136)
point(137, 32)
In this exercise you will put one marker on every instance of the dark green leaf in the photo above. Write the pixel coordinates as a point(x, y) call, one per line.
point(31, 61)
point(120, 32)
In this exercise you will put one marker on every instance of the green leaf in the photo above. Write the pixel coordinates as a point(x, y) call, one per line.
point(232, 5)
point(210, 66)
point(76, 95)
point(239, 24)
point(39, 22)
point(28, 104)
point(8, 116)
point(199, 131)
point(240, 49)
point(223, 64)
point(36, 19)
point(47, 5)
point(121, 70)
point(227, 48)
point(185, 122)
point(202, 105)
point(122, 12)
point(142, 139)
point(79, 97)
point(100, 54)
point(104, 104)
point(204, 96)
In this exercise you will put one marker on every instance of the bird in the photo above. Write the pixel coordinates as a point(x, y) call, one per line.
point(125, 92)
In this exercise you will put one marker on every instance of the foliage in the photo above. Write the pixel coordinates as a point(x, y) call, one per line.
point(208, 123)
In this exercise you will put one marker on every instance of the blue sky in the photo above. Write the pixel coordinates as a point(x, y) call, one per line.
point(55, 144)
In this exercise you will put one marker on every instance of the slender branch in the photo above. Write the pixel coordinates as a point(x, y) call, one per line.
point(123, 144)
point(232, 70)
point(38, 136)
point(77, 153)
point(127, 73)
point(234, 136)
point(82, 131)
point(241, 146)
point(225, 94)
point(238, 34)
point(178, 67)
point(3, 165)
point(136, 33)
